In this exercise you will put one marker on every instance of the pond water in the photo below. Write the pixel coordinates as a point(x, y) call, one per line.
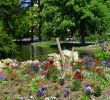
point(27, 52)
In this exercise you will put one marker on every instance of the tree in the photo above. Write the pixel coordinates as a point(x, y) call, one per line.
point(73, 15)
point(55, 18)
point(7, 9)
point(25, 23)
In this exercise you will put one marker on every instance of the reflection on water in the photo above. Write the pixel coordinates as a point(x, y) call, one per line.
point(26, 52)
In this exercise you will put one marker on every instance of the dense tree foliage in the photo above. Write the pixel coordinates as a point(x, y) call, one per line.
point(7, 47)
point(64, 17)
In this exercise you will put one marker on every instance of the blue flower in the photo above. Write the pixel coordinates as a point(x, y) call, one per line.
point(66, 93)
point(40, 92)
point(87, 89)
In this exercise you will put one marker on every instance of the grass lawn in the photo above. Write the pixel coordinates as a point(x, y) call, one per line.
point(44, 44)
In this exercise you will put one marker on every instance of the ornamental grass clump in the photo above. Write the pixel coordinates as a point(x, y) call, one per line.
point(57, 94)
point(76, 85)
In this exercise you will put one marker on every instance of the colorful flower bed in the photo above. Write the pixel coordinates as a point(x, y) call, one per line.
point(84, 79)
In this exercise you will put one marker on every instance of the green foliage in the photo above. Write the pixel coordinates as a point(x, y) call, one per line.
point(91, 38)
point(75, 67)
point(97, 91)
point(33, 86)
point(8, 7)
point(7, 46)
point(102, 55)
point(24, 21)
point(84, 97)
point(76, 85)
point(57, 94)
point(84, 17)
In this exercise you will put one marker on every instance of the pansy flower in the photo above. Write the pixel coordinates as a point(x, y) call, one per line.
point(4, 77)
point(49, 63)
point(44, 72)
point(87, 89)
point(78, 75)
point(40, 92)
point(66, 93)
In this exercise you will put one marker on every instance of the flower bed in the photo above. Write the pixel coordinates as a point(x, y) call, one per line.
point(81, 80)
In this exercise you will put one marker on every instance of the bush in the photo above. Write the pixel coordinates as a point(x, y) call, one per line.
point(91, 38)
point(7, 46)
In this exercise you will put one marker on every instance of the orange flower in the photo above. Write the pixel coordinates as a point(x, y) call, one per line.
point(79, 62)
point(105, 71)
point(32, 74)
point(13, 75)
point(26, 69)
point(97, 62)
point(98, 70)
point(21, 68)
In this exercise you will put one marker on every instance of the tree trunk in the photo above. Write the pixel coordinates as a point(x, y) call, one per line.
point(39, 34)
point(82, 32)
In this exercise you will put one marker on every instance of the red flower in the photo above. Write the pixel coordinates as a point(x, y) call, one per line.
point(49, 63)
point(44, 72)
point(78, 75)
point(32, 74)
point(13, 66)
point(71, 65)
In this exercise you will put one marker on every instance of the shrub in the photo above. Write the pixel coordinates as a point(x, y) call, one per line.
point(7, 46)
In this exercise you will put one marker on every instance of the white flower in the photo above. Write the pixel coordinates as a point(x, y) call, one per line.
point(47, 98)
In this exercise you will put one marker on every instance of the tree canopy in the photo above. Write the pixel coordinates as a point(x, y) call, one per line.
point(65, 17)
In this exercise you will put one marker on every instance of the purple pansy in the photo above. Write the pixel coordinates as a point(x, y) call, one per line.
point(87, 89)
point(40, 92)
point(3, 76)
point(66, 93)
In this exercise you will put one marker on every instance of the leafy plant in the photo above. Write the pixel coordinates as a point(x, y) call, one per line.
point(84, 97)
point(97, 91)
point(75, 67)
point(76, 85)
point(57, 94)
point(102, 55)
point(33, 86)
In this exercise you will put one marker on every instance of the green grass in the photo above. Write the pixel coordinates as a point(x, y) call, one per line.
point(44, 44)
point(91, 47)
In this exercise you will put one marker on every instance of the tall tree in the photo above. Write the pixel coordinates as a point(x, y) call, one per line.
point(73, 15)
